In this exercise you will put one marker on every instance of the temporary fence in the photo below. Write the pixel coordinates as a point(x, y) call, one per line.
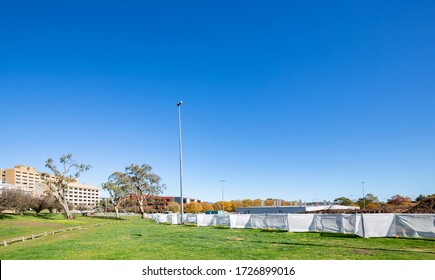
point(365, 225)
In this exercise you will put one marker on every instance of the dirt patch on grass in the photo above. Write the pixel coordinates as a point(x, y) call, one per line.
point(235, 238)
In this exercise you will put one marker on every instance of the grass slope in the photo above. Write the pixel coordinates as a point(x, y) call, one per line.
point(12, 226)
point(144, 240)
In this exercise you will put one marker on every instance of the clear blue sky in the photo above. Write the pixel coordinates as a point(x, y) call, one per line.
point(283, 99)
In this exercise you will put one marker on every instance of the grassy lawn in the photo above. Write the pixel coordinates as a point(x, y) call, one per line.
point(137, 239)
point(12, 226)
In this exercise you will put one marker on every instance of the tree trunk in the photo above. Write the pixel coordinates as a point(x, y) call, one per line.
point(68, 213)
point(141, 208)
point(116, 211)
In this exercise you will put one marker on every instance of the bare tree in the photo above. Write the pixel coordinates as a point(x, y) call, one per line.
point(82, 207)
point(58, 185)
point(16, 200)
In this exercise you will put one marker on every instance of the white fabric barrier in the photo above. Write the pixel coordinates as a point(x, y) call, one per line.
point(239, 221)
point(327, 223)
point(175, 218)
point(351, 223)
point(203, 220)
point(274, 221)
point(190, 218)
point(162, 218)
point(365, 225)
point(415, 225)
point(377, 225)
point(221, 220)
point(300, 222)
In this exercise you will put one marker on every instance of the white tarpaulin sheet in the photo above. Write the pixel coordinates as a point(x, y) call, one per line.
point(162, 218)
point(204, 220)
point(190, 218)
point(366, 225)
point(415, 225)
point(239, 221)
point(300, 222)
point(328, 223)
point(377, 225)
point(268, 221)
point(351, 223)
point(175, 219)
point(221, 220)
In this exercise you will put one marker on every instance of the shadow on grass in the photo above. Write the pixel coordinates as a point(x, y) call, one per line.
point(339, 235)
point(326, 246)
point(7, 216)
point(107, 218)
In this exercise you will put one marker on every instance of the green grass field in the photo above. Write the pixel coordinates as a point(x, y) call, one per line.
point(137, 239)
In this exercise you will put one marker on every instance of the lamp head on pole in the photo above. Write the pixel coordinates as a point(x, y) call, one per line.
point(179, 103)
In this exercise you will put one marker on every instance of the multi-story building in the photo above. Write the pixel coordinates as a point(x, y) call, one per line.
point(32, 181)
point(13, 187)
point(83, 194)
point(186, 200)
point(157, 203)
point(2, 176)
point(24, 176)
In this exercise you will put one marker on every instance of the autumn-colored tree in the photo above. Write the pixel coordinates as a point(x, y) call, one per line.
point(286, 203)
point(192, 207)
point(269, 202)
point(248, 202)
point(234, 204)
point(206, 206)
point(219, 205)
point(173, 207)
point(399, 200)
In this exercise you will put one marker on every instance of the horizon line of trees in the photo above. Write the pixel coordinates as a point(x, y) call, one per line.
point(141, 185)
point(370, 201)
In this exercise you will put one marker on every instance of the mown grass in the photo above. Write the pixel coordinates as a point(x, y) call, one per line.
point(12, 225)
point(138, 239)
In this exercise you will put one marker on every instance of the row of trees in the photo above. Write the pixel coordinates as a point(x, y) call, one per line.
point(19, 201)
point(371, 201)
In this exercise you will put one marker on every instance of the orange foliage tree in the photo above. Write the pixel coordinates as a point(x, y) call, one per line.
point(192, 207)
point(399, 200)
point(206, 206)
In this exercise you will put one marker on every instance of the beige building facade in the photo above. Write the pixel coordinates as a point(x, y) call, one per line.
point(24, 176)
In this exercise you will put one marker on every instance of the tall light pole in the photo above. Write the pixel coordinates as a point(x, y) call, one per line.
point(364, 196)
point(181, 161)
point(223, 207)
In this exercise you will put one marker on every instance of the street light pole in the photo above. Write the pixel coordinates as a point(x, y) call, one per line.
point(181, 161)
point(364, 197)
point(223, 207)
